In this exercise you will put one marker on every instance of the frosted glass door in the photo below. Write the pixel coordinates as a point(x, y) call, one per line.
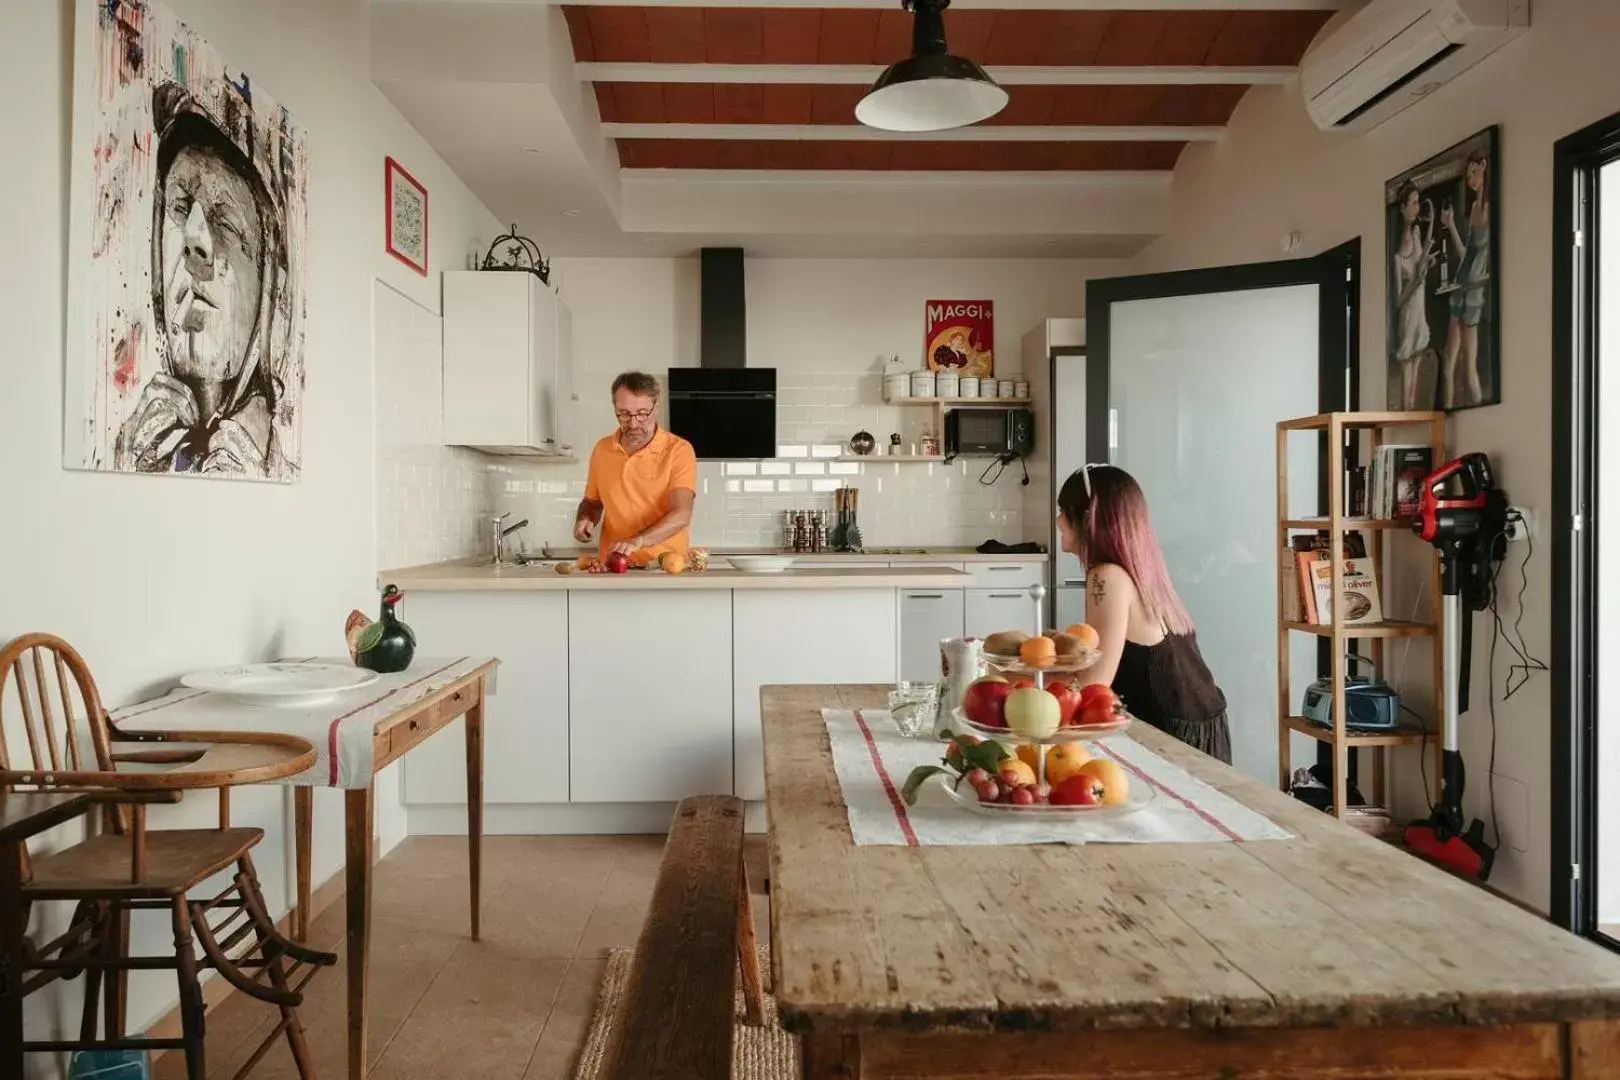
point(1197, 385)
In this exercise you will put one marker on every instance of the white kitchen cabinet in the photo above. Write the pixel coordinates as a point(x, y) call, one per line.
point(649, 694)
point(525, 719)
point(803, 636)
point(508, 360)
point(985, 611)
point(926, 615)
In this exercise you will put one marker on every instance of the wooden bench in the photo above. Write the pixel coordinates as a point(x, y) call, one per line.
point(676, 1019)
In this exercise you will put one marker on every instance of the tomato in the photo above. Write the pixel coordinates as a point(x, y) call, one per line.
point(1069, 699)
point(1099, 712)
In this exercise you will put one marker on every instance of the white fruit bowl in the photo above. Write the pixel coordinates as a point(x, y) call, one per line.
point(1140, 794)
point(760, 564)
point(1072, 733)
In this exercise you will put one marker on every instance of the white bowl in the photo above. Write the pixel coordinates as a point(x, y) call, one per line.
point(760, 564)
point(287, 685)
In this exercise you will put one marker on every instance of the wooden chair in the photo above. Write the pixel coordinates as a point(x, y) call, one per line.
point(127, 867)
point(677, 1016)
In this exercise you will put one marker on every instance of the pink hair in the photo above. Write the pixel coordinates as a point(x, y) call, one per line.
point(1109, 513)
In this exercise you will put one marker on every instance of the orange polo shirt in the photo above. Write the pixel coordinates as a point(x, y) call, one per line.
point(634, 488)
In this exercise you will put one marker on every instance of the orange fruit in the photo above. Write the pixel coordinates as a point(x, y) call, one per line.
point(1087, 635)
point(1038, 652)
point(1015, 773)
point(671, 563)
point(1065, 760)
point(585, 562)
point(1116, 785)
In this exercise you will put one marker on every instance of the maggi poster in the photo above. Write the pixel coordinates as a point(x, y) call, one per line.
point(961, 336)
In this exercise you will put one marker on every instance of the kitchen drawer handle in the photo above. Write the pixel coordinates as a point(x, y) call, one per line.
point(1074, 581)
point(1013, 569)
point(1008, 596)
point(925, 596)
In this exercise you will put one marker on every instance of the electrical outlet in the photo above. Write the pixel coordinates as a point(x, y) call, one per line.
point(1521, 523)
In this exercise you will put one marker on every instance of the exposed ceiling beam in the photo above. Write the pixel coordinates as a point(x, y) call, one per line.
point(821, 178)
point(1010, 5)
point(866, 74)
point(862, 133)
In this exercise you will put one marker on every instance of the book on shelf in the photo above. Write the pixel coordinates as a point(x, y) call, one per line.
point(1308, 549)
point(1394, 480)
point(1359, 595)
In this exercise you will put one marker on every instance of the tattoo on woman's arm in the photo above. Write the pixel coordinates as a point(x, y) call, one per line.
point(1097, 591)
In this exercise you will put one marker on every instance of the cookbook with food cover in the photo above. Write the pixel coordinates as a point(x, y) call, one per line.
point(1360, 591)
point(960, 336)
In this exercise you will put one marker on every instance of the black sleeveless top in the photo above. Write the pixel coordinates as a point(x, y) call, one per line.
point(1169, 686)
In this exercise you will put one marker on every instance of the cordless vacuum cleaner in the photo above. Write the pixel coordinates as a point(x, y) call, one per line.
point(1464, 515)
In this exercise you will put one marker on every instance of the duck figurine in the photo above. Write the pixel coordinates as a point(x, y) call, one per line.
point(385, 645)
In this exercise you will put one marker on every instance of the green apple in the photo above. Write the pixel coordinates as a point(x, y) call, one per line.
point(1032, 713)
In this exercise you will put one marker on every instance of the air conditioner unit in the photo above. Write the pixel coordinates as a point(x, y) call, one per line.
point(1392, 53)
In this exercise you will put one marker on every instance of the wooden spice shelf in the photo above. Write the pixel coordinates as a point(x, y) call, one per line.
point(1405, 735)
point(1365, 434)
point(1387, 629)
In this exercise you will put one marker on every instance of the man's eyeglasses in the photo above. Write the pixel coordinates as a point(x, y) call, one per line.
point(626, 417)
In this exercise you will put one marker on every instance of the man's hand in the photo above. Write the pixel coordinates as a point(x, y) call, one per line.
point(582, 529)
point(628, 547)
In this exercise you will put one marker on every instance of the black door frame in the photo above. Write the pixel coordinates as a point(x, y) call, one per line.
point(1575, 516)
point(1337, 271)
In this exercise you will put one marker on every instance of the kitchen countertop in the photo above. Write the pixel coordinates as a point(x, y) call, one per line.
point(923, 555)
point(470, 575)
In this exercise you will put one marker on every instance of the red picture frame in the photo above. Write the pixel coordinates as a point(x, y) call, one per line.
point(405, 206)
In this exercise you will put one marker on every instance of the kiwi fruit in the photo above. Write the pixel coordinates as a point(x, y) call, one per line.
point(1005, 642)
point(1067, 644)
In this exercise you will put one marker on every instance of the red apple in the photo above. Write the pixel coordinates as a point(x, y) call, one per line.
point(617, 562)
point(1068, 697)
point(985, 701)
point(1079, 790)
point(1099, 712)
point(1096, 692)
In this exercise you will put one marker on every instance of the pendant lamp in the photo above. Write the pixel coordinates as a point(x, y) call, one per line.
point(931, 90)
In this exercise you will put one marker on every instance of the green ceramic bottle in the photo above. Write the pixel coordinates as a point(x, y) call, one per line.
point(387, 644)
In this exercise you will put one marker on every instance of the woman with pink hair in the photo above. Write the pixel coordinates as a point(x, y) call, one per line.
point(1150, 653)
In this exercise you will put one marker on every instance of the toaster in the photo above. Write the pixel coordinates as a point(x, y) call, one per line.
point(1370, 704)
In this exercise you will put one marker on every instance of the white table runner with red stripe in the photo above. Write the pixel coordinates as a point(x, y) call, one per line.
point(341, 729)
point(872, 760)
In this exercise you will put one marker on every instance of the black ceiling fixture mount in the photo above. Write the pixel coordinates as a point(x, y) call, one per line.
point(931, 90)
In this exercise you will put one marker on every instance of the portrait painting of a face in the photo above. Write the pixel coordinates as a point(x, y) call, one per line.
point(186, 269)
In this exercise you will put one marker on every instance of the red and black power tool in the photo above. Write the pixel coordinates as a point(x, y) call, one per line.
point(1464, 515)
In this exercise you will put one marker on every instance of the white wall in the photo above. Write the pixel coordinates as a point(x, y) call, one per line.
point(1275, 173)
point(826, 325)
point(151, 577)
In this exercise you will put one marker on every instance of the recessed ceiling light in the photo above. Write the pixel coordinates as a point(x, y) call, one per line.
point(570, 213)
point(647, 241)
point(1051, 243)
point(533, 150)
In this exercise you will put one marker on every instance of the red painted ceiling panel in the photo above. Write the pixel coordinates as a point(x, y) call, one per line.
point(877, 156)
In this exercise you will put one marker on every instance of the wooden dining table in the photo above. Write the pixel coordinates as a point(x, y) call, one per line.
point(1328, 954)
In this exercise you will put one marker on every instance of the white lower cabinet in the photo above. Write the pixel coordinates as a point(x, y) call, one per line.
point(525, 719)
point(985, 611)
point(803, 636)
point(926, 616)
point(649, 695)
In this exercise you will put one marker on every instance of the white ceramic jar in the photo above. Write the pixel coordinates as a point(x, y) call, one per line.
point(1020, 389)
point(968, 386)
point(922, 384)
point(946, 383)
point(1005, 388)
point(896, 385)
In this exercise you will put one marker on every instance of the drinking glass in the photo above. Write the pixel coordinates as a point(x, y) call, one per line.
point(912, 706)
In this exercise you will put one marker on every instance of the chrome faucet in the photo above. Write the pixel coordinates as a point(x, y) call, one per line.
point(498, 532)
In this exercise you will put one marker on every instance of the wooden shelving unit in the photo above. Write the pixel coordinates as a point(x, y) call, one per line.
point(1369, 428)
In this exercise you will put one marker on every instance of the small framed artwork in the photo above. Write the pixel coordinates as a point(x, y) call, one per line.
point(1442, 224)
point(407, 217)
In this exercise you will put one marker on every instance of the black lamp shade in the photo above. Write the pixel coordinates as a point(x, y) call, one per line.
point(931, 92)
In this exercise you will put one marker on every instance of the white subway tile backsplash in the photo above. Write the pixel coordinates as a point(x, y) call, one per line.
point(810, 468)
point(792, 486)
point(777, 468)
point(759, 485)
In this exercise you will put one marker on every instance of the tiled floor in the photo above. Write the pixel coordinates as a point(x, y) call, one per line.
point(513, 1006)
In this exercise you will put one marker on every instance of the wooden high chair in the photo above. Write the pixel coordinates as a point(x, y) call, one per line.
point(127, 867)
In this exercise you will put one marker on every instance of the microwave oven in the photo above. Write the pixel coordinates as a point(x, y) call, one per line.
point(994, 432)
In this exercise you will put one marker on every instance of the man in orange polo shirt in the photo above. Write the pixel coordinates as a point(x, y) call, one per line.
point(642, 480)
